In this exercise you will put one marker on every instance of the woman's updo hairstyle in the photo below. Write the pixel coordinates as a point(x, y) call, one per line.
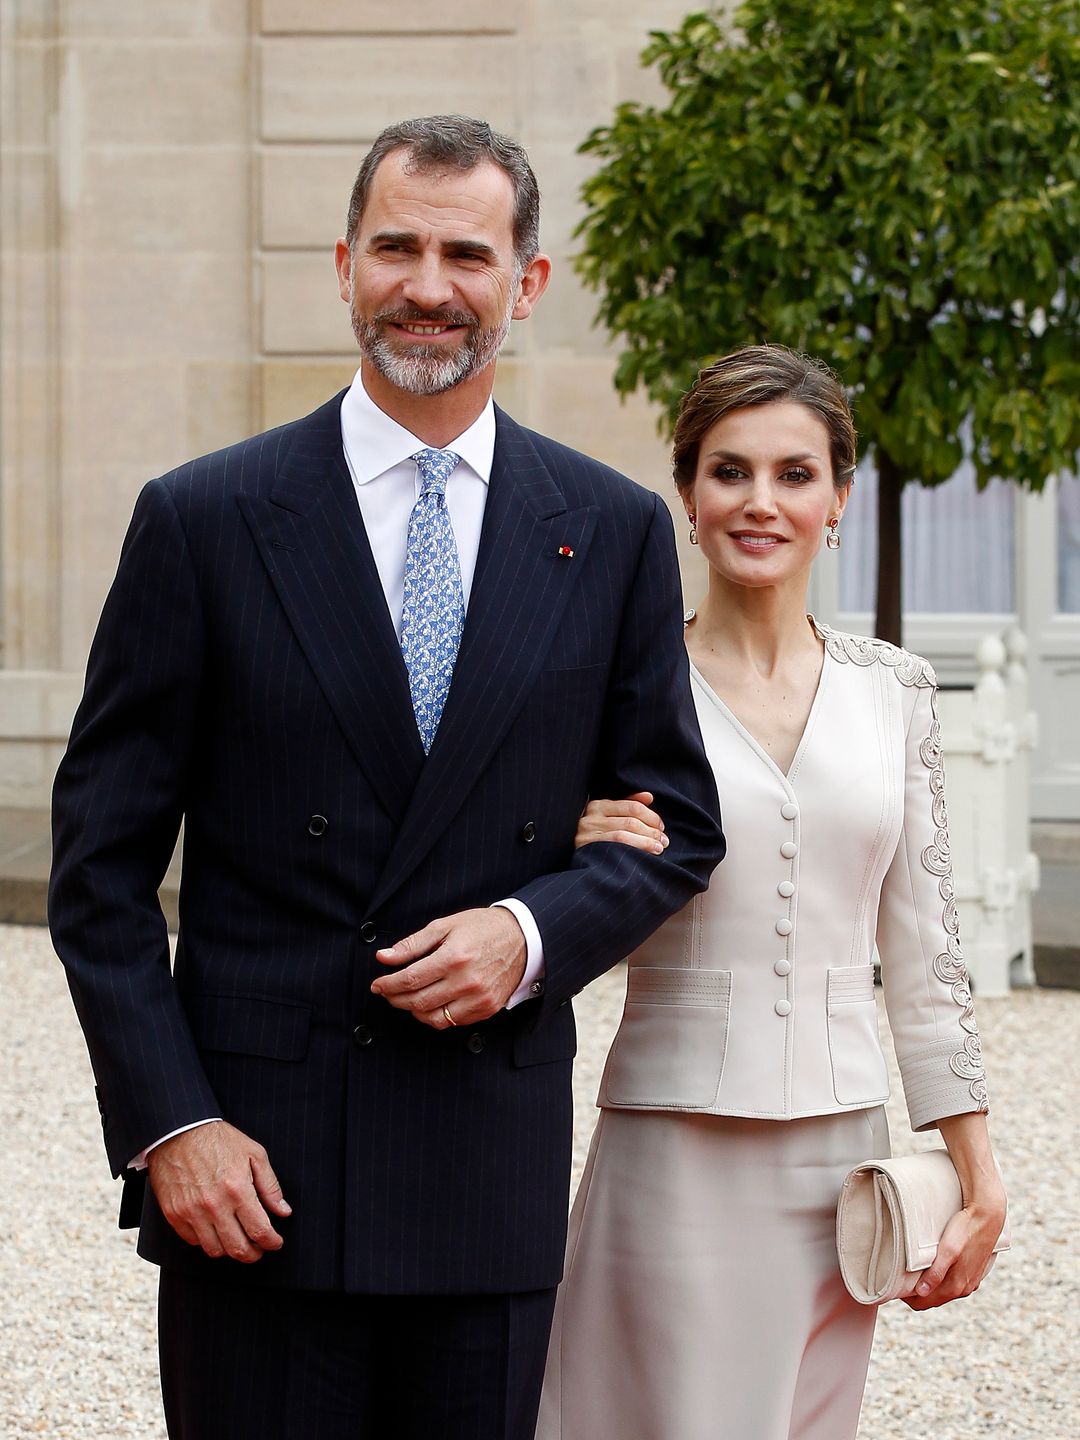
point(763, 375)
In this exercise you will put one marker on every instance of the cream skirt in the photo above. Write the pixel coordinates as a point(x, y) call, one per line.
point(702, 1298)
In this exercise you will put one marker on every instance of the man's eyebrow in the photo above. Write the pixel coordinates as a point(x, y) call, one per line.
point(394, 237)
point(473, 247)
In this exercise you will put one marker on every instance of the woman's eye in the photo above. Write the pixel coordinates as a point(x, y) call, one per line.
point(728, 472)
point(798, 475)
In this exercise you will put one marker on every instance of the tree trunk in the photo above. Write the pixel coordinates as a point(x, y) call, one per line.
point(890, 549)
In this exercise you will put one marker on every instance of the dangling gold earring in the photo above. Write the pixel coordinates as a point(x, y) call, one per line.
point(693, 529)
point(832, 540)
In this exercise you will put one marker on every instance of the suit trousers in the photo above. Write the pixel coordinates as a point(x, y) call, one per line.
point(702, 1298)
point(246, 1362)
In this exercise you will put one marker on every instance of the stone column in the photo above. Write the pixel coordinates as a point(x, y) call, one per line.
point(127, 314)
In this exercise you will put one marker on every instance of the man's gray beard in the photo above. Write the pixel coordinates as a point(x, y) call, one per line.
point(428, 370)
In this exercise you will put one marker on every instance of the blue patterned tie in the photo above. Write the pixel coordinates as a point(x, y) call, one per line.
point(433, 607)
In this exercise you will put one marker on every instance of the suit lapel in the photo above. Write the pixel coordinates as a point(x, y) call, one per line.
point(312, 540)
point(522, 582)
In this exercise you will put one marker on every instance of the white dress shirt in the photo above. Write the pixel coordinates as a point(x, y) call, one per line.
point(378, 453)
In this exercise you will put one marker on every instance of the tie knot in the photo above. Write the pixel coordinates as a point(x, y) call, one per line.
point(436, 467)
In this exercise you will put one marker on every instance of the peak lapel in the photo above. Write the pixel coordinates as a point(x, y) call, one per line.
point(312, 540)
point(524, 577)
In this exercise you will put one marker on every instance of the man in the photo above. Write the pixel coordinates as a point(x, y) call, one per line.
point(377, 660)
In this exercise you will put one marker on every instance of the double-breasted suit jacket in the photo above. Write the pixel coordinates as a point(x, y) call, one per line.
point(758, 998)
point(246, 678)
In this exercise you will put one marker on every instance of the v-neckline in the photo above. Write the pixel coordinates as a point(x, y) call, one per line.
point(751, 740)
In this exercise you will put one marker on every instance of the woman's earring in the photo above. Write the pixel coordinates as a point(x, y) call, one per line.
point(832, 540)
point(693, 530)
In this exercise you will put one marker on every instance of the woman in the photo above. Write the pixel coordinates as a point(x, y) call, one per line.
point(702, 1296)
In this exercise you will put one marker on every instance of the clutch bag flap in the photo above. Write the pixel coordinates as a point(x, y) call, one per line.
point(889, 1221)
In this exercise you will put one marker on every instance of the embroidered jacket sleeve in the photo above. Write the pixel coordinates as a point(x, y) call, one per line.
point(927, 992)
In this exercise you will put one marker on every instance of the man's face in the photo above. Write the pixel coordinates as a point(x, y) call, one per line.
point(432, 282)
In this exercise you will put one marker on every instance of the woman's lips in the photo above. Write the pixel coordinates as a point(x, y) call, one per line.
point(757, 543)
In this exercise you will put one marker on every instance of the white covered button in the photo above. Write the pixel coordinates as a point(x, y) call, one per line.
point(789, 849)
point(785, 888)
point(784, 927)
point(782, 967)
point(783, 1007)
point(789, 811)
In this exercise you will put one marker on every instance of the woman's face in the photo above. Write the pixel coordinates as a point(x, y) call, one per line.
point(763, 493)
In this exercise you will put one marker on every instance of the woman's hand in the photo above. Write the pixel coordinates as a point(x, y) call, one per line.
point(964, 1257)
point(628, 821)
point(965, 1252)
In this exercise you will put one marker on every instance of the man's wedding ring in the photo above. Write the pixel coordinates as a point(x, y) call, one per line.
point(449, 1018)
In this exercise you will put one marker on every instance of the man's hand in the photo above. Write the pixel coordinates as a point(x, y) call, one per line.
point(212, 1184)
point(467, 964)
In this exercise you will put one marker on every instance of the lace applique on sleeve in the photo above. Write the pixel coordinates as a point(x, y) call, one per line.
point(949, 966)
point(860, 650)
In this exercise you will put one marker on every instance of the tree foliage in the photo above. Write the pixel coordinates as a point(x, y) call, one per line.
point(893, 185)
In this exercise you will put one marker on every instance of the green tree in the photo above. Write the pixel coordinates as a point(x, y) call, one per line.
point(891, 185)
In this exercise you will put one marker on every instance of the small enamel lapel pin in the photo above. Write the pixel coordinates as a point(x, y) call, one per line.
point(566, 552)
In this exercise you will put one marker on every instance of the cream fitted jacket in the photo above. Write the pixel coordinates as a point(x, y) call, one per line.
point(758, 998)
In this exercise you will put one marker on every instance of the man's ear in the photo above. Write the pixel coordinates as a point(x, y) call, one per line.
point(343, 265)
point(533, 283)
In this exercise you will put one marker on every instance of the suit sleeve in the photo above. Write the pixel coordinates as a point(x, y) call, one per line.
point(118, 800)
point(612, 896)
point(927, 992)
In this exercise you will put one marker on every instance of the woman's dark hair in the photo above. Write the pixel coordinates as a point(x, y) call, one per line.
point(763, 375)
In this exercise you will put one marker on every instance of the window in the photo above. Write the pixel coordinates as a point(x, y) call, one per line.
point(1068, 533)
point(958, 546)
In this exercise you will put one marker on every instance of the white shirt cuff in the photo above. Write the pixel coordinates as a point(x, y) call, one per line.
point(139, 1163)
point(532, 982)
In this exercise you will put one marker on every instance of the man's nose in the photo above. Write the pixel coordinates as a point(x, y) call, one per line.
point(428, 284)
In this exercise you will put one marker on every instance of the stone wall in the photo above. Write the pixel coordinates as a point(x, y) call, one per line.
point(173, 175)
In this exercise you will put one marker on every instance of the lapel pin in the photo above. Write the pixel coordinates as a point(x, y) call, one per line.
point(566, 552)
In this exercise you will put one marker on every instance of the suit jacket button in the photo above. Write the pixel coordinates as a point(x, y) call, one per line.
point(363, 1035)
point(475, 1042)
point(317, 825)
point(528, 832)
point(368, 933)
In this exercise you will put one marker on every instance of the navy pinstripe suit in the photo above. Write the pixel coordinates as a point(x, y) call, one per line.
point(246, 678)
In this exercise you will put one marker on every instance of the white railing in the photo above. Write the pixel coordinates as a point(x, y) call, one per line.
point(988, 734)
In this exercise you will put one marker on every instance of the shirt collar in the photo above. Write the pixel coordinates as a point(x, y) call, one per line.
point(374, 443)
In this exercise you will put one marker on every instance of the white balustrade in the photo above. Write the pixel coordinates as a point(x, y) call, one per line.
point(988, 734)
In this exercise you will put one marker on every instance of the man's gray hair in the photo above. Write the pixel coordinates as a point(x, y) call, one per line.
point(455, 142)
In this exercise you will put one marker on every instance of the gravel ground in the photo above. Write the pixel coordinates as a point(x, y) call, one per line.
point(76, 1347)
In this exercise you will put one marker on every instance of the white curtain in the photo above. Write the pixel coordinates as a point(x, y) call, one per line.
point(958, 546)
point(1068, 532)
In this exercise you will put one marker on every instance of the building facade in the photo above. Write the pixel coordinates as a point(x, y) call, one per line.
point(173, 176)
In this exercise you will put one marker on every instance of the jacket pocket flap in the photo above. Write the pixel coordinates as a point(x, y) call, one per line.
point(246, 1025)
point(661, 985)
point(555, 1039)
point(850, 983)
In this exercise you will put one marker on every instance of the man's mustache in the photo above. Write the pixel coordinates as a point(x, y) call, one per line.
point(425, 317)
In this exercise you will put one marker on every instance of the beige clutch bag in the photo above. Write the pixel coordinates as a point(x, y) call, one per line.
point(889, 1221)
